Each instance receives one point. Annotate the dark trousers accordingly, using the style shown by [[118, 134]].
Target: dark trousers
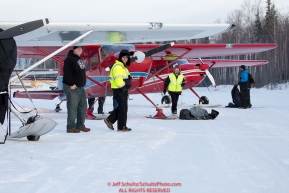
[[76, 106], [114, 102], [119, 114], [249, 98], [244, 94], [101, 101], [175, 98], [90, 102]]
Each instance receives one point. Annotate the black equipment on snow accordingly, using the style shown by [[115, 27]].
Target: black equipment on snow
[[204, 100], [235, 97], [197, 113]]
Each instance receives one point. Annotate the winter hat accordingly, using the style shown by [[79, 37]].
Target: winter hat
[[177, 66], [124, 53], [243, 67], [74, 47]]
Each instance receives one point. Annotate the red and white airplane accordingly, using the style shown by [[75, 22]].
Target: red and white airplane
[[147, 76], [103, 42]]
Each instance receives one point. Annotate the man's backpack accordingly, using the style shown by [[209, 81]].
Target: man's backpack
[[251, 79]]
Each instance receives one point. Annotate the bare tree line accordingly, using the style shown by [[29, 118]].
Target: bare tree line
[[255, 25]]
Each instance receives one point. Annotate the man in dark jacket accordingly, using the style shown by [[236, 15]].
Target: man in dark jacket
[[74, 80], [174, 82], [243, 87]]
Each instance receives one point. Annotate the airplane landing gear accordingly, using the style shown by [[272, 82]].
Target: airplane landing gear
[[33, 137], [57, 109], [166, 100], [204, 100], [159, 115]]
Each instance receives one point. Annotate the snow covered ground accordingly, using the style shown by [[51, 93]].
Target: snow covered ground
[[242, 150]]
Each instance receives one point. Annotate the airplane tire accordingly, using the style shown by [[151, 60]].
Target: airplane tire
[[33, 137], [57, 109], [204, 100], [166, 100]]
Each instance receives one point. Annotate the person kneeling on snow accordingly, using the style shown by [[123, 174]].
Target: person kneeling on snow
[[174, 82]]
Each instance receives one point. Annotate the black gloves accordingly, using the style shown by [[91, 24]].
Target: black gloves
[[127, 83]]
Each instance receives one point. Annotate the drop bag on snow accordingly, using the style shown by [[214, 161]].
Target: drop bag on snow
[[197, 113]]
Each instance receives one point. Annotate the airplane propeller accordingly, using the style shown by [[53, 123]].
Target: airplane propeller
[[140, 56], [209, 75], [158, 49], [23, 28]]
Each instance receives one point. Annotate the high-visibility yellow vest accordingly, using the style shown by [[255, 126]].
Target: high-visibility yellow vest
[[175, 84], [118, 72]]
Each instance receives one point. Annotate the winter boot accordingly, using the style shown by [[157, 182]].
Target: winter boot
[[84, 129], [89, 114], [73, 130], [108, 124], [124, 129]]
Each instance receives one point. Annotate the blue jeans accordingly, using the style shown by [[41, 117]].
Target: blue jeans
[[76, 107]]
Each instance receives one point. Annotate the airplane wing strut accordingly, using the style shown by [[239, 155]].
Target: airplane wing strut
[[51, 55]]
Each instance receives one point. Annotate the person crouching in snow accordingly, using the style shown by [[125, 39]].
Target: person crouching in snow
[[174, 83]]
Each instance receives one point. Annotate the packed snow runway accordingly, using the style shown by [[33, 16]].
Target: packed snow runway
[[242, 150]]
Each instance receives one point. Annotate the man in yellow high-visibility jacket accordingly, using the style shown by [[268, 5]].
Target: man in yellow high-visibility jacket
[[174, 83], [120, 83]]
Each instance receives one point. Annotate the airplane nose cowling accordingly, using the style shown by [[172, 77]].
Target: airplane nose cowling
[[139, 56]]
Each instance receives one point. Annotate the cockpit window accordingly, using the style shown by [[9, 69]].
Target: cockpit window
[[182, 61], [179, 61], [107, 49]]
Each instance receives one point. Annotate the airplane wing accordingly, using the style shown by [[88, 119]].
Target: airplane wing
[[229, 63], [205, 50], [38, 72], [196, 50], [60, 33], [45, 94], [33, 52]]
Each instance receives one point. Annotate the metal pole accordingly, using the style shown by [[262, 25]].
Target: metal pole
[[18, 116]]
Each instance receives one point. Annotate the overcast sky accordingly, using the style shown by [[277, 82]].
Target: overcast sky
[[177, 11]]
